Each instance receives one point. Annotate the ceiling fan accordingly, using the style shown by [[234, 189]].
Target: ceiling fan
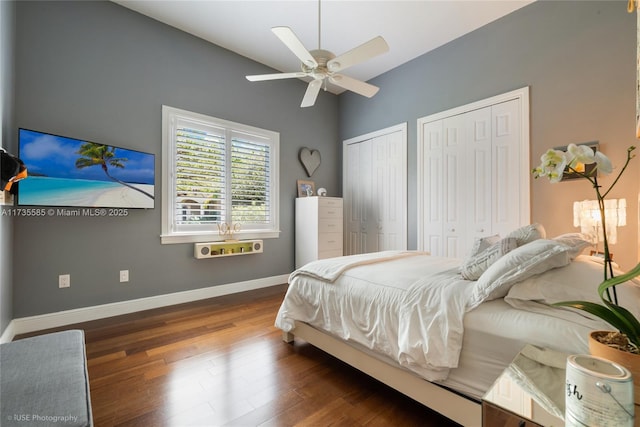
[[322, 65]]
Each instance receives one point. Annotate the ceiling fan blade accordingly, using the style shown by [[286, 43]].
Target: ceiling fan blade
[[354, 85], [289, 38], [312, 93], [365, 51], [276, 76]]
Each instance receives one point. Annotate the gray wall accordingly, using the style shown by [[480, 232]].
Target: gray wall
[[97, 71], [6, 116], [579, 59], [100, 72]]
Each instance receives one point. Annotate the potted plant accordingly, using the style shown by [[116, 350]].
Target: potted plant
[[623, 345]]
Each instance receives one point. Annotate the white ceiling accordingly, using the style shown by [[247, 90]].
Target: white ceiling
[[411, 28]]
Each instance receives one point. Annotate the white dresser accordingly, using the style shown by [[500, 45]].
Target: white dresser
[[318, 228]]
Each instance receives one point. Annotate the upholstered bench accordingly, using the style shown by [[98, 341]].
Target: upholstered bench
[[44, 381]]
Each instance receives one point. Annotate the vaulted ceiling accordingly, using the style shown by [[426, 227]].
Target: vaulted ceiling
[[411, 28]]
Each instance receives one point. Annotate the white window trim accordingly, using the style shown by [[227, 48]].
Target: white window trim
[[168, 236]]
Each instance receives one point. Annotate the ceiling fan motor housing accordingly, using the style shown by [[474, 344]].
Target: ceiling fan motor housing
[[322, 57]]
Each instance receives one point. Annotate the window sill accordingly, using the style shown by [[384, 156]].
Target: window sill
[[215, 237]]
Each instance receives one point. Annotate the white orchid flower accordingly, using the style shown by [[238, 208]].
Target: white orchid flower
[[604, 164], [580, 154], [553, 164]]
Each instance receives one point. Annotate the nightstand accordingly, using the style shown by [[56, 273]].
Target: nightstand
[[529, 393]]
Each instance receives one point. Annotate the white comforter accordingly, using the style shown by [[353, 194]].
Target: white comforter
[[420, 326]]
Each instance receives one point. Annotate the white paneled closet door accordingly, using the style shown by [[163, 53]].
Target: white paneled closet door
[[455, 180], [506, 153], [480, 171], [473, 174], [357, 199], [375, 192]]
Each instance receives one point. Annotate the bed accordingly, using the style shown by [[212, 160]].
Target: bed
[[441, 330]]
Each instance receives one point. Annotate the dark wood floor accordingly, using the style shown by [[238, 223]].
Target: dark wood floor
[[221, 362]]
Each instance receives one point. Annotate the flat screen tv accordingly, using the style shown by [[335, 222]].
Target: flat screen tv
[[70, 172]]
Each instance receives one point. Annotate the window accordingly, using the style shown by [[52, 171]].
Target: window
[[217, 172]]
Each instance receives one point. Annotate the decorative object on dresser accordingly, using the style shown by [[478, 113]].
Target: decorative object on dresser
[[310, 160], [305, 188], [318, 228]]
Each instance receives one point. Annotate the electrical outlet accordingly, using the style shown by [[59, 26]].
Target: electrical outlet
[[64, 280], [124, 276]]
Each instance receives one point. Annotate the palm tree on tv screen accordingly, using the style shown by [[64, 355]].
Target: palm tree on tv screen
[[97, 154]]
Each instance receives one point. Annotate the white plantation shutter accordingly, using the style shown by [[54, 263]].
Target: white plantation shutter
[[250, 177], [200, 176], [216, 172]]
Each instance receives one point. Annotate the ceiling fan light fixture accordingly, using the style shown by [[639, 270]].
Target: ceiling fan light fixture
[[321, 65]]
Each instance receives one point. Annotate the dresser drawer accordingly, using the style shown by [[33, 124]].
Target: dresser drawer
[[330, 212], [330, 225], [329, 202], [329, 241]]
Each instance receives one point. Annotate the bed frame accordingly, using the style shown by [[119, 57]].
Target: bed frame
[[456, 407]]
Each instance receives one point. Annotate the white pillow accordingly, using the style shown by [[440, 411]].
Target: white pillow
[[528, 233], [474, 266], [576, 241], [533, 258], [578, 281], [482, 243]]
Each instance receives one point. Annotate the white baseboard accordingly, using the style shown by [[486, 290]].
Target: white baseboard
[[8, 334], [68, 317]]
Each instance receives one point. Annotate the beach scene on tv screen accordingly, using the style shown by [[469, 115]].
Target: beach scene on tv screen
[[69, 172]]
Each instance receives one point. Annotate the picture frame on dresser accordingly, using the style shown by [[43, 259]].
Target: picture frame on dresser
[[306, 188]]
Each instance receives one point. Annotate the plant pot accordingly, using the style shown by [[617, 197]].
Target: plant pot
[[628, 360]]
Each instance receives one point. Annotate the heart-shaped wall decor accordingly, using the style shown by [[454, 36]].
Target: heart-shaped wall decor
[[310, 159]]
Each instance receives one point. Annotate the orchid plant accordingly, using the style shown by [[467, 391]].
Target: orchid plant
[[554, 163]]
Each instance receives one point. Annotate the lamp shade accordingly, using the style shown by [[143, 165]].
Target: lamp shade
[[586, 215]]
